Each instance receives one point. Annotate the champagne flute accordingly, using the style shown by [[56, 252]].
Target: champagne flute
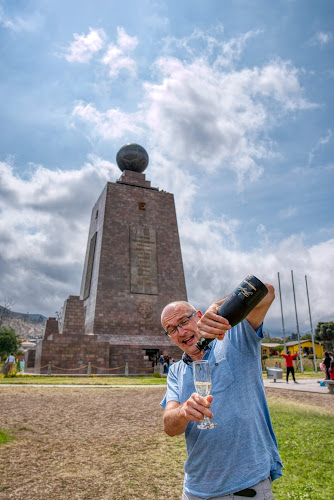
[[202, 381]]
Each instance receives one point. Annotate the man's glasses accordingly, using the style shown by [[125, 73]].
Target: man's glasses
[[173, 329]]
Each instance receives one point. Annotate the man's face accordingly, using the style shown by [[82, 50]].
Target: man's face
[[187, 336]]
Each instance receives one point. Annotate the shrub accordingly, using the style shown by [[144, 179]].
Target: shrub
[[12, 373]]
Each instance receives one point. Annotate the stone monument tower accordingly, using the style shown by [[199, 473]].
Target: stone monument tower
[[133, 265], [133, 268]]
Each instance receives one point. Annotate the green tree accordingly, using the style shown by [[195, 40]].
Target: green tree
[[9, 341], [307, 336], [325, 333], [292, 337]]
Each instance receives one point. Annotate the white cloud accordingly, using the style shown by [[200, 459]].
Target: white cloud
[[117, 56], [85, 46], [211, 117], [321, 142], [220, 119], [221, 53], [321, 38], [109, 125], [279, 81], [43, 226], [232, 50], [126, 42], [212, 270], [20, 24]]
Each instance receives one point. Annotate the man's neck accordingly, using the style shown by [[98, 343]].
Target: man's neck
[[189, 359], [197, 356]]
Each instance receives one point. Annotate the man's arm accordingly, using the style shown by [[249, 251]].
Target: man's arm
[[177, 416], [256, 317], [212, 325]]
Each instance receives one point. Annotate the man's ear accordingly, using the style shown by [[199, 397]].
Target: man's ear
[[199, 314]]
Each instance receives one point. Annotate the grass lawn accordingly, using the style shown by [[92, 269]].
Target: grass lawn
[[85, 380], [101, 380], [305, 435]]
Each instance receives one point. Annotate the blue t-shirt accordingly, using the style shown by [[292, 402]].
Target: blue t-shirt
[[242, 450]]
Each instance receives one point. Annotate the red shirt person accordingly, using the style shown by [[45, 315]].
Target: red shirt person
[[289, 365]]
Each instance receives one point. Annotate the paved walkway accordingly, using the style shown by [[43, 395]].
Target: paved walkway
[[306, 385]]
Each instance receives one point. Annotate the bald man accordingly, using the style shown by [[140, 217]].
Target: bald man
[[239, 458]]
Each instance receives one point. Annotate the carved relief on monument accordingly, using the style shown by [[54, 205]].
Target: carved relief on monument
[[145, 309], [143, 260]]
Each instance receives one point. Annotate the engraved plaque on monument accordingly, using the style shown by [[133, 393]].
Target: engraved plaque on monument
[[143, 260]]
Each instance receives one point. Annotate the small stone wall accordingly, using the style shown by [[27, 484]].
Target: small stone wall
[[70, 354]]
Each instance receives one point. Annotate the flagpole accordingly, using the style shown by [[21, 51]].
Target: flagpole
[[280, 298], [312, 331], [300, 349]]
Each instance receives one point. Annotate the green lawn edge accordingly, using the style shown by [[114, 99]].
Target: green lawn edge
[[86, 380], [101, 380]]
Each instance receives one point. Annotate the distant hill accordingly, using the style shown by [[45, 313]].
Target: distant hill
[[25, 325], [32, 318]]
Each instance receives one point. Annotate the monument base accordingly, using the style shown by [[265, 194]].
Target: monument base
[[80, 354]]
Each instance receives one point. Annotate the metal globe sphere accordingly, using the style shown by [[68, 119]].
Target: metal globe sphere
[[132, 157]]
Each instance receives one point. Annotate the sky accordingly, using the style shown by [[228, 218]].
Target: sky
[[232, 100]]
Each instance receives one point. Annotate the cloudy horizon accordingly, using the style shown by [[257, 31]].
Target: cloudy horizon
[[234, 107]]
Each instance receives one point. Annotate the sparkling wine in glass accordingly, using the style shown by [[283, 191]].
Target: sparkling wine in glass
[[202, 381]]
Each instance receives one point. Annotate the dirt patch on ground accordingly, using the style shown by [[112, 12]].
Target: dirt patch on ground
[[323, 401], [91, 443]]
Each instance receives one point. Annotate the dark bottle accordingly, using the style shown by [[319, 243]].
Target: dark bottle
[[239, 303]]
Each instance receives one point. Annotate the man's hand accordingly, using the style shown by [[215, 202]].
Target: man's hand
[[211, 325], [177, 416], [196, 407]]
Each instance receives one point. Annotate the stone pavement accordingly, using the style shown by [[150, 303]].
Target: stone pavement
[[304, 385]]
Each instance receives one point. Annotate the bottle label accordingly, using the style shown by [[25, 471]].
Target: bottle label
[[246, 291]]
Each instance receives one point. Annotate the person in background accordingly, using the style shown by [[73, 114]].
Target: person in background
[[327, 361], [331, 369], [10, 362], [289, 365], [22, 364], [165, 365]]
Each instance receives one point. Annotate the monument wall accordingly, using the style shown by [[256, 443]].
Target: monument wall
[[137, 264]]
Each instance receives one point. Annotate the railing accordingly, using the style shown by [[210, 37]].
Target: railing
[[102, 370]]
